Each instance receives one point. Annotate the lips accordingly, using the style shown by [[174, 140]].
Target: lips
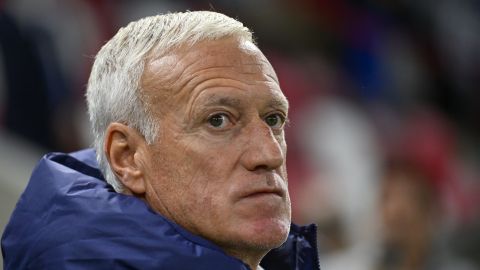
[[264, 191], [270, 185]]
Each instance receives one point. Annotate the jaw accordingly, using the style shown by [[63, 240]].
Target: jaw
[[255, 237], [263, 237]]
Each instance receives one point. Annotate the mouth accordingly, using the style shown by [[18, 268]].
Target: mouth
[[268, 186], [264, 192]]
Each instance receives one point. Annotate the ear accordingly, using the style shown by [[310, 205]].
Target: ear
[[125, 149]]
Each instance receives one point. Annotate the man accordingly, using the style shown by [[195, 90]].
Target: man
[[188, 120]]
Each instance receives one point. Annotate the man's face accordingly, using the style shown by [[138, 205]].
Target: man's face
[[218, 165]]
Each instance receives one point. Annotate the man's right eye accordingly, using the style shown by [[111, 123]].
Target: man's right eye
[[219, 120]]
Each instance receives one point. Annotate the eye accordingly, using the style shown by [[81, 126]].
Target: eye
[[219, 120], [275, 120]]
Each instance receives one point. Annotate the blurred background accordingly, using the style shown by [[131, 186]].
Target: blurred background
[[384, 140]]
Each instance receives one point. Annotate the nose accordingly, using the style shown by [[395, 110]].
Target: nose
[[264, 150]]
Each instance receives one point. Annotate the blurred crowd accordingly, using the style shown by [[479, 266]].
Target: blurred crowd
[[384, 133]]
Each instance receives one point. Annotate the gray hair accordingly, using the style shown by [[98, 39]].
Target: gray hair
[[114, 91]]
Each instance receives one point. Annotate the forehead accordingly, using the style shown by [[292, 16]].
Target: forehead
[[226, 63], [243, 56]]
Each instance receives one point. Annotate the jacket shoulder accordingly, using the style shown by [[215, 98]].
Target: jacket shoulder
[[68, 217]]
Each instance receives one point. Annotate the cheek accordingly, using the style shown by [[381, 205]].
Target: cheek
[[198, 172], [191, 187], [212, 161]]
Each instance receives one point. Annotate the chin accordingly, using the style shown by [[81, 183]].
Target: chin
[[269, 234], [257, 237]]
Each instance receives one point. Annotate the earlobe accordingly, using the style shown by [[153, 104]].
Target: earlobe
[[124, 150]]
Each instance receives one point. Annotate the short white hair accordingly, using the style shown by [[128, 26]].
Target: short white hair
[[114, 91]]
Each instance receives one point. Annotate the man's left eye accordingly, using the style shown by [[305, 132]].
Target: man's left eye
[[275, 120]]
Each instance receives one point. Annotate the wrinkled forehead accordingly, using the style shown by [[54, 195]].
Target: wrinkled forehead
[[182, 64]]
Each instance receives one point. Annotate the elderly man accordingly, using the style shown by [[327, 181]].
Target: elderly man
[[188, 118]]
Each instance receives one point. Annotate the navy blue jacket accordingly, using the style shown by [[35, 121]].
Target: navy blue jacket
[[70, 218]]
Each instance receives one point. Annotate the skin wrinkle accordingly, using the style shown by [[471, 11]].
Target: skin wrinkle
[[216, 104], [192, 77], [177, 216], [215, 100], [160, 207], [151, 84], [234, 106], [178, 57], [207, 200], [199, 89], [277, 103], [224, 80], [193, 101]]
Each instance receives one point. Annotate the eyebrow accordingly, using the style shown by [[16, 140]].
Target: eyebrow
[[275, 102], [223, 101], [278, 102]]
